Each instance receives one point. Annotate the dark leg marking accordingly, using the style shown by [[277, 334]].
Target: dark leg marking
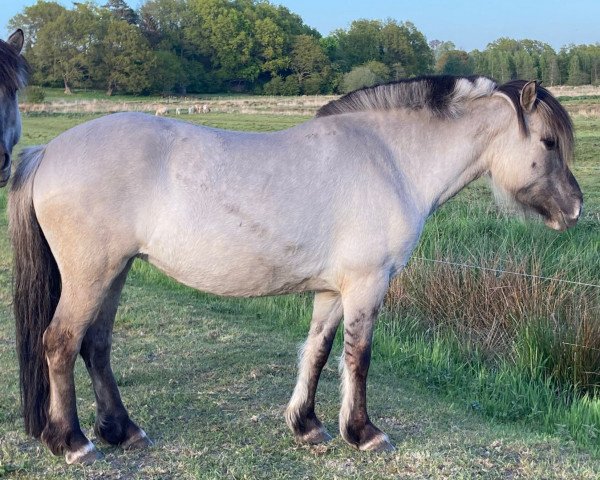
[[300, 414], [355, 426]]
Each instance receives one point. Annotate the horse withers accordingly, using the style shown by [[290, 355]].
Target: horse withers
[[334, 205], [13, 76]]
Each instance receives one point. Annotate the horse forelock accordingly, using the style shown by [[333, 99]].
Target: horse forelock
[[443, 95], [14, 69], [554, 117]]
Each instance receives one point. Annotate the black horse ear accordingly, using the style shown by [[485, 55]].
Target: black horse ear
[[16, 40], [528, 96]]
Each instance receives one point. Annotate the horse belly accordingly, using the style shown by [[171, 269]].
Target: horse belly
[[236, 264]]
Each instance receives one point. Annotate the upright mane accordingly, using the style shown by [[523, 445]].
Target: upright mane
[[14, 69], [443, 95]]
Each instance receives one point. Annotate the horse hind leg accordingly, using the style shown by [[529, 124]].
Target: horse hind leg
[[300, 413], [81, 298], [113, 424]]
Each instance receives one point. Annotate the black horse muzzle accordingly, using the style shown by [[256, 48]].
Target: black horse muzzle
[[5, 169]]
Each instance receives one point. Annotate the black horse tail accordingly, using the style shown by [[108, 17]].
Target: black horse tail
[[36, 290]]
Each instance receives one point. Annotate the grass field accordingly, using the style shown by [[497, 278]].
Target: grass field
[[459, 379]]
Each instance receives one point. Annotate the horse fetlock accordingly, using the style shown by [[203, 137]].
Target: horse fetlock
[[317, 434], [366, 437], [60, 438], [120, 430], [114, 429], [306, 426]]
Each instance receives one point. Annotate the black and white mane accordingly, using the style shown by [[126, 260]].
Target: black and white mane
[[445, 97]]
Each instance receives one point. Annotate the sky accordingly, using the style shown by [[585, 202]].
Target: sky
[[470, 24]]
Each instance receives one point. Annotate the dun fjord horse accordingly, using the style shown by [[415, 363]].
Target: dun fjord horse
[[334, 206], [13, 76]]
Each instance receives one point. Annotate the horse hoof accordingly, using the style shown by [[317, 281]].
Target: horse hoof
[[315, 436], [379, 443], [137, 441], [85, 455]]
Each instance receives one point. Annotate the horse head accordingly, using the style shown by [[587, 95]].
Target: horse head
[[531, 166], [13, 76]]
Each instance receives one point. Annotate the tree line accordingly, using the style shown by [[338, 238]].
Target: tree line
[[206, 46]]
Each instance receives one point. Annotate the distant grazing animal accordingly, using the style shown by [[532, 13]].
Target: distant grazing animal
[[178, 111], [13, 77], [161, 111], [205, 108], [193, 109], [334, 205]]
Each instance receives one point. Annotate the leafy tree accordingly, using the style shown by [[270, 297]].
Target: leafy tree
[[34, 18], [127, 59], [549, 69], [525, 67], [310, 64], [439, 47], [360, 44], [588, 63], [65, 45], [122, 11], [216, 45], [168, 72], [270, 43], [404, 44], [576, 75], [454, 62], [230, 40]]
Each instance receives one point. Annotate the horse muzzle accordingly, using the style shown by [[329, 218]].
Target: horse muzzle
[[564, 218], [5, 170]]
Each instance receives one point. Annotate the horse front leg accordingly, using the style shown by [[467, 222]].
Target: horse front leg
[[300, 414], [361, 302]]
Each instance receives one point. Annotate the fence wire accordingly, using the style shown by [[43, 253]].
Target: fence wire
[[507, 272]]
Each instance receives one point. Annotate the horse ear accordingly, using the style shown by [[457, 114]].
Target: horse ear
[[16, 40], [528, 96]]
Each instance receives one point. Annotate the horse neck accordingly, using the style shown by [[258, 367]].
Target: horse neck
[[440, 157]]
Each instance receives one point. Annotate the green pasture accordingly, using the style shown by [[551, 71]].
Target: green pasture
[[467, 386]]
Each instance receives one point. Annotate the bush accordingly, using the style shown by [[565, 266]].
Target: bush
[[274, 86], [282, 86], [291, 86], [367, 75], [34, 94], [359, 77], [313, 84]]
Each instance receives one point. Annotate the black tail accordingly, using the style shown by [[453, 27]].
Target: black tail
[[36, 292]]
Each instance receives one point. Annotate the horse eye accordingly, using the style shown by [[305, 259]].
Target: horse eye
[[549, 143]]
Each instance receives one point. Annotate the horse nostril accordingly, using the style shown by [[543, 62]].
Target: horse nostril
[[6, 162], [576, 212]]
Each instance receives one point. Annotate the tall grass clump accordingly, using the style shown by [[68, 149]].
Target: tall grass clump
[[503, 313]]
